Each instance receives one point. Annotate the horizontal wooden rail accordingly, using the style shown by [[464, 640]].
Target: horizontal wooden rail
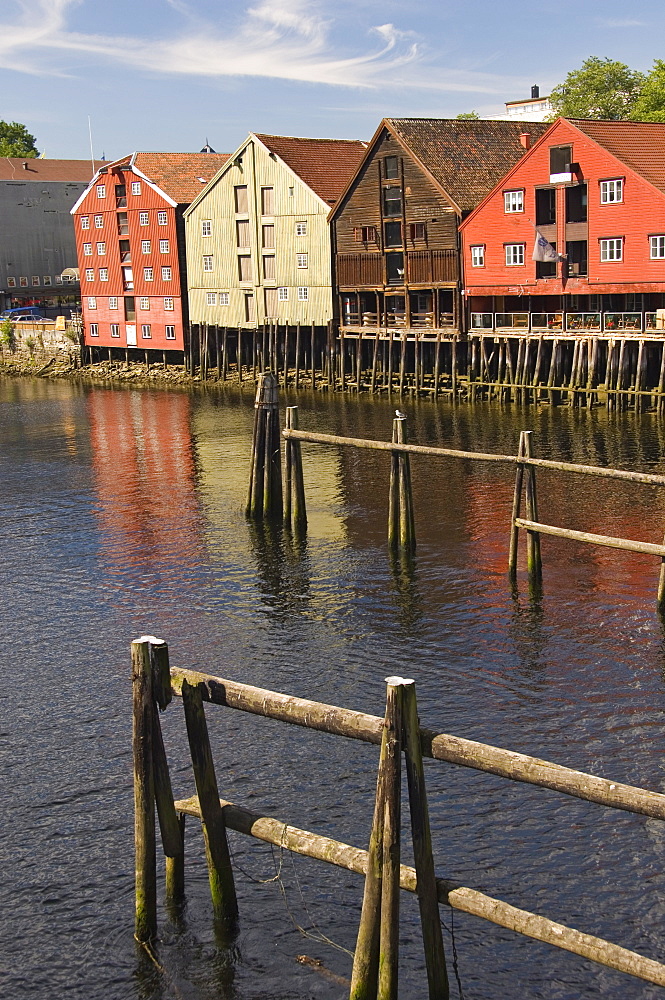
[[312, 845], [440, 746], [648, 478], [628, 544]]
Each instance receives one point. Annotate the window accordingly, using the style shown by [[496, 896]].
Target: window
[[208, 263], [392, 201], [478, 256], [47, 279], [145, 246], [123, 224], [240, 193], [577, 253], [390, 167], [267, 201], [125, 252], [148, 274], [611, 192], [301, 260], [115, 329], [11, 282], [136, 187], [101, 249], [99, 222], [392, 234], [268, 237], [170, 332], [576, 203], [164, 246], [301, 228], [166, 274], [35, 279], [93, 329], [85, 222], [303, 294], [395, 268], [101, 190], [269, 268], [560, 162], [417, 231], [365, 234], [545, 206], [611, 249], [127, 278], [245, 268], [242, 233], [162, 219], [206, 227], [87, 249], [514, 254], [144, 304], [130, 312], [211, 298], [224, 298], [291, 192], [89, 274], [120, 196], [113, 302], [168, 303], [58, 280], [103, 274], [145, 331], [657, 247], [283, 294], [513, 201], [144, 219], [23, 282], [92, 302]]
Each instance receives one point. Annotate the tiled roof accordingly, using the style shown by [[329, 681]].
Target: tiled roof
[[325, 165], [182, 176], [466, 156], [640, 145], [76, 171]]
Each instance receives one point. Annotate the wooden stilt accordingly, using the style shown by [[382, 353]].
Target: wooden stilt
[[265, 487], [517, 502], [401, 521], [453, 366], [533, 556], [295, 512], [297, 373], [375, 358], [661, 379], [437, 362], [175, 870], [225, 353], [145, 925], [313, 342], [402, 362], [390, 362], [286, 352]]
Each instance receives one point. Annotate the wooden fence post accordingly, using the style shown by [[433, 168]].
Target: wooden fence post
[[295, 512], [533, 557], [145, 925], [517, 503], [401, 521], [265, 485]]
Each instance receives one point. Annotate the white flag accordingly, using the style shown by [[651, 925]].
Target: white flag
[[543, 249]]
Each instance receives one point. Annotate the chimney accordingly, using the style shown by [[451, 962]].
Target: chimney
[[525, 139], [535, 92], [25, 164]]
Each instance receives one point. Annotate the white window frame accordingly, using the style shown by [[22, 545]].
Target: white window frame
[[101, 249], [99, 222], [89, 274], [225, 298], [85, 222], [146, 331], [35, 281], [92, 302], [144, 303], [478, 255], [303, 293], [206, 227], [162, 218], [23, 281], [513, 201], [211, 298], [148, 274], [657, 247], [515, 254], [47, 279], [87, 249], [611, 191], [146, 246], [302, 261], [208, 262], [103, 274], [58, 280], [93, 330], [301, 228], [144, 219], [11, 282], [167, 274], [101, 191], [282, 294], [169, 305], [113, 302], [115, 329], [611, 250], [169, 331], [136, 187], [164, 246]]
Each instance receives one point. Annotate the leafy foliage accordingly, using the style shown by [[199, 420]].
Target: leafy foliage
[[15, 140], [473, 115], [650, 105], [602, 88]]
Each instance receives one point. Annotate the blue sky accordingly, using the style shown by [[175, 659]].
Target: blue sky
[[166, 74]]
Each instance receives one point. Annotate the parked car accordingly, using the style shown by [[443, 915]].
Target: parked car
[[19, 312]]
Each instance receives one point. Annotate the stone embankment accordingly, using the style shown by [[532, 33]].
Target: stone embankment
[[68, 367]]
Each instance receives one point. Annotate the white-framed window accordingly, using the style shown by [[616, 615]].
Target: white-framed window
[[657, 247], [58, 279], [89, 274], [514, 254], [206, 227], [611, 192], [101, 249], [85, 222], [87, 249], [513, 201], [35, 279], [167, 274], [224, 298], [11, 282], [144, 219], [144, 304], [93, 329], [170, 332], [99, 222], [136, 187], [92, 302], [301, 260], [145, 331], [113, 301], [283, 294], [101, 190], [103, 274], [168, 303], [211, 298], [164, 246], [301, 228], [208, 262], [148, 274], [47, 279], [23, 281], [611, 249], [478, 255], [303, 294], [115, 329], [162, 219], [145, 246]]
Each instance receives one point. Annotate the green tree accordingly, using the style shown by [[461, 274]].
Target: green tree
[[15, 140], [473, 115], [601, 88], [650, 105]]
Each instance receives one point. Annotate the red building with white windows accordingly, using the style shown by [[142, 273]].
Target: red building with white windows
[[131, 248], [596, 192]]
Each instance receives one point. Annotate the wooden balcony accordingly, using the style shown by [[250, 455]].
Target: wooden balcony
[[422, 267]]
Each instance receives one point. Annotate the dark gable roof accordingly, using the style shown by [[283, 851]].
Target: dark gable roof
[[466, 157], [72, 171], [325, 165], [182, 176], [640, 145]]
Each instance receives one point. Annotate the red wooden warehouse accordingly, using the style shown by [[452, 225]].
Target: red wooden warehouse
[[131, 248]]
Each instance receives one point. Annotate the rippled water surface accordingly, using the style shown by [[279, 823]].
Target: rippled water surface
[[122, 513]]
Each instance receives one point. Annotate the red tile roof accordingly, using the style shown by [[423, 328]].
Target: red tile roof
[[182, 176], [75, 171], [640, 145], [325, 165]]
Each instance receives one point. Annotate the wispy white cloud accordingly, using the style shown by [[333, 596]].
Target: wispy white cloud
[[621, 22]]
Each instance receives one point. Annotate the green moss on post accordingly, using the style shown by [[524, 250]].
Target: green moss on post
[[145, 925]]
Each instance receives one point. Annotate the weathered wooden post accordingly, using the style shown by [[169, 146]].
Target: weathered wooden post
[[295, 512], [145, 924], [533, 558], [517, 503], [265, 485], [401, 521]]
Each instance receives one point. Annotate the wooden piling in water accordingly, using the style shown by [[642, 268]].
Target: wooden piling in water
[[401, 522], [145, 922], [533, 556], [295, 511], [517, 503], [265, 485]]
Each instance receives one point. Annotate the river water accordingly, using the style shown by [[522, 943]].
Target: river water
[[122, 513]]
